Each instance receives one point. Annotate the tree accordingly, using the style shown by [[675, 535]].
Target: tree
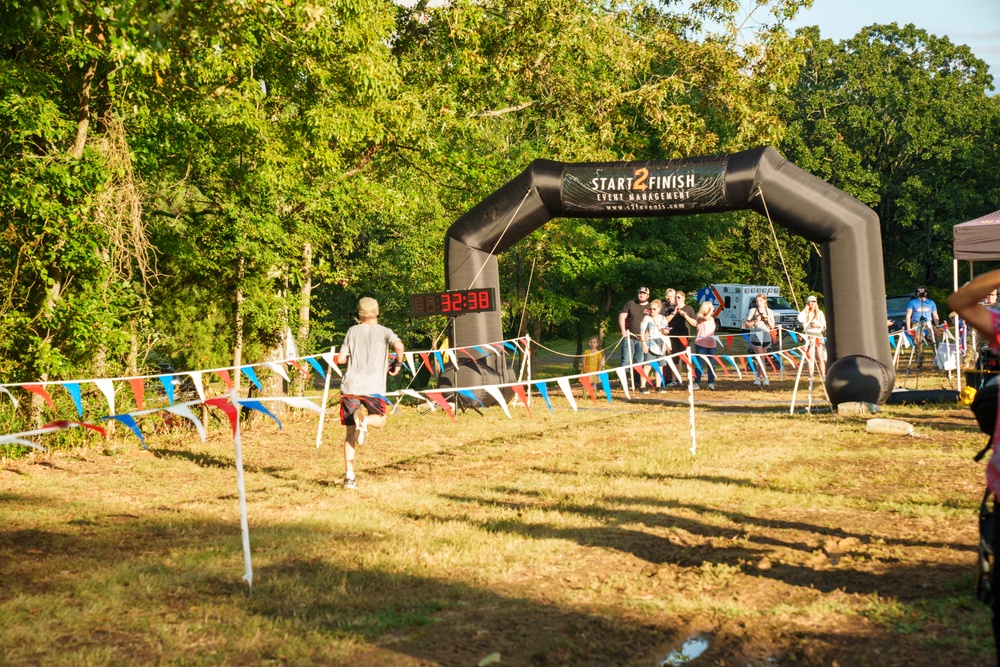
[[900, 119]]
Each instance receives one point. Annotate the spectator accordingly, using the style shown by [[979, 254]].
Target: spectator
[[922, 312], [760, 321], [813, 325], [630, 323], [704, 342], [593, 358], [678, 326], [654, 341]]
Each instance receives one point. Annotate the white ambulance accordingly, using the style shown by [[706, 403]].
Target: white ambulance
[[733, 302]]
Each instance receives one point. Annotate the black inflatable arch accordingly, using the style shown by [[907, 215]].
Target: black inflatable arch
[[848, 231]]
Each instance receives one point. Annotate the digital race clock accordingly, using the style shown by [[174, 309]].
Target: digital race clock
[[479, 300]]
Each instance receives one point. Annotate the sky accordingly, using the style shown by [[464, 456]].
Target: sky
[[975, 23]]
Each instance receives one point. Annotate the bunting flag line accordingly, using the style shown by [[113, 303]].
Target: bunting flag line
[[523, 395], [74, 390], [331, 361], [129, 421], [138, 392], [315, 364], [168, 386], [438, 398], [623, 378], [605, 385], [259, 407], [10, 440], [564, 385], [409, 362], [721, 364], [544, 392], [40, 390], [659, 371], [585, 381], [300, 402], [277, 369], [419, 397], [13, 400], [228, 408], [107, 388], [498, 397], [185, 411], [252, 376], [196, 379], [427, 361], [224, 376]]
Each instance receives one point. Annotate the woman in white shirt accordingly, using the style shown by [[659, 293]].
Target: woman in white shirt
[[813, 325]]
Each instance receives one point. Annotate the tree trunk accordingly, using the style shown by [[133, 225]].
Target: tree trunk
[[83, 119], [238, 325], [305, 299]]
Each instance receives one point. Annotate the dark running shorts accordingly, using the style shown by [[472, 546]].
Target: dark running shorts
[[350, 404]]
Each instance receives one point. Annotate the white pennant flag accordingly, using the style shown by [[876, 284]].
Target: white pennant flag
[[330, 359], [277, 369], [564, 385], [677, 373], [7, 391], [453, 355], [419, 397], [498, 397], [623, 377], [409, 360], [107, 388], [185, 411], [196, 376], [20, 441], [300, 402]]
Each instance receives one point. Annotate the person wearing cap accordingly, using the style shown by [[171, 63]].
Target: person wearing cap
[[630, 322], [923, 312], [813, 323], [366, 353]]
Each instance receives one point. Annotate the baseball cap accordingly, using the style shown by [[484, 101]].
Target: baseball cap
[[810, 299], [644, 289], [921, 291]]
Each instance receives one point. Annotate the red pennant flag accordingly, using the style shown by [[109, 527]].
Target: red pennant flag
[[63, 423], [439, 399], [585, 381], [770, 362], [684, 342], [224, 376], [729, 341], [519, 390], [298, 366], [789, 358], [774, 336], [743, 363], [468, 354], [427, 362], [687, 361], [227, 407], [40, 390], [719, 359], [138, 391]]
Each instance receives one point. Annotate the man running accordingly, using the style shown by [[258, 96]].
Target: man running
[[366, 351]]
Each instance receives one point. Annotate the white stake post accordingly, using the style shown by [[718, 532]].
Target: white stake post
[[241, 488], [326, 395], [694, 442]]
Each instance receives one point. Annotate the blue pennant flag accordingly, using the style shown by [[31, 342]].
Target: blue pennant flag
[[730, 360], [259, 407], [250, 373], [481, 350], [697, 364], [510, 346], [795, 338], [747, 338], [544, 391], [129, 421], [605, 385], [659, 371], [315, 364], [753, 368], [472, 397], [74, 390], [168, 386], [440, 359]]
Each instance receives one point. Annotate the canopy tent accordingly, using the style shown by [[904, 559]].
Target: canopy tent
[[977, 240]]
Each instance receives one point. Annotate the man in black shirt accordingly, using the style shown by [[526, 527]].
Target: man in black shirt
[[630, 323]]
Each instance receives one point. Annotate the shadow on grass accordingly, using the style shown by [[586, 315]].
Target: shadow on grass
[[313, 603]]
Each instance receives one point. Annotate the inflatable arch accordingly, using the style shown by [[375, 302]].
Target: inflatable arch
[[759, 179]]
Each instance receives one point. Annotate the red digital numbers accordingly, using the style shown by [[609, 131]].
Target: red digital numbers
[[473, 300], [452, 303], [484, 299]]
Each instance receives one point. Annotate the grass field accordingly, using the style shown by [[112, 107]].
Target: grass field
[[588, 538]]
